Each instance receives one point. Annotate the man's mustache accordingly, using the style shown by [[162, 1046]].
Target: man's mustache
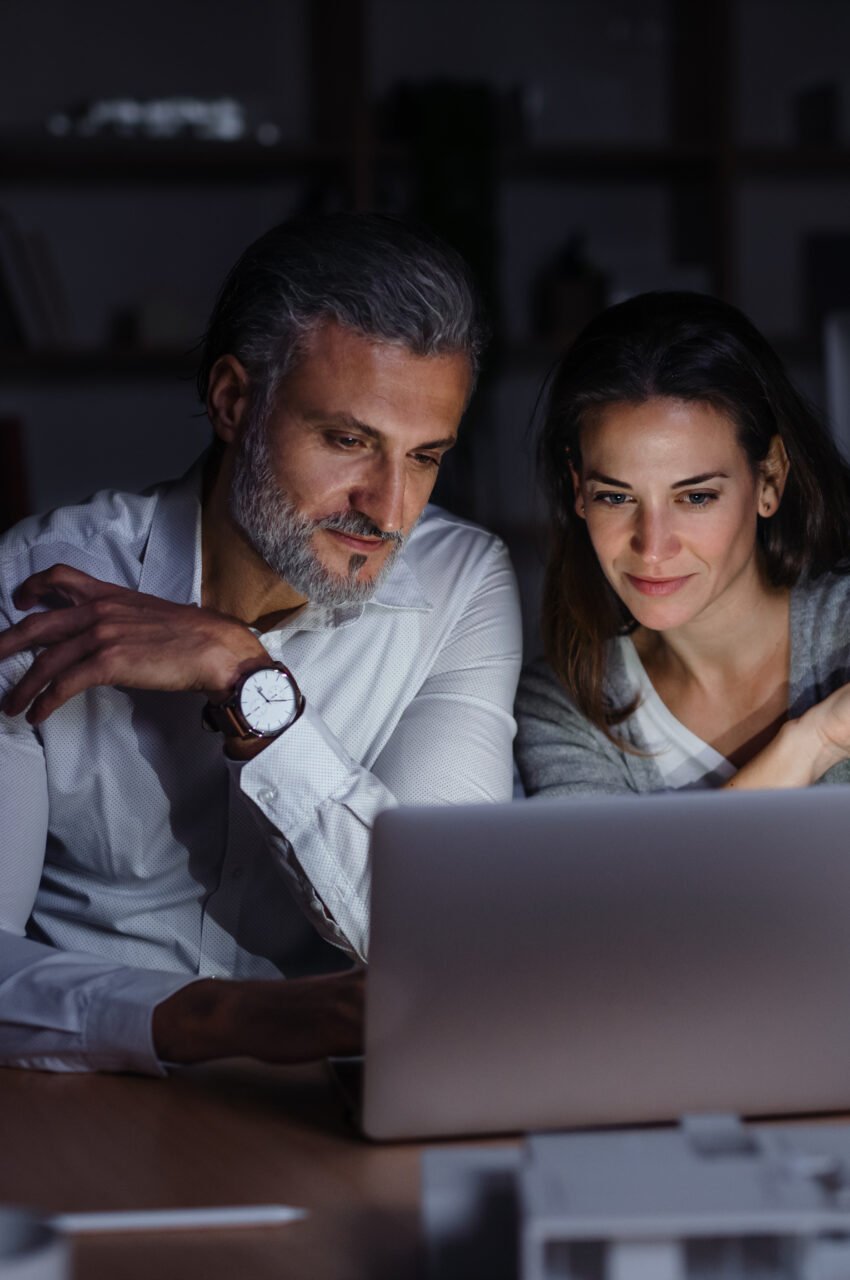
[[358, 524]]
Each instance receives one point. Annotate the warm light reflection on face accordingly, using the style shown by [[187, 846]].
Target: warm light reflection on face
[[671, 501], [347, 460]]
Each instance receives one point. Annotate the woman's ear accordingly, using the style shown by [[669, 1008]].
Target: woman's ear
[[773, 472], [579, 496], [227, 398]]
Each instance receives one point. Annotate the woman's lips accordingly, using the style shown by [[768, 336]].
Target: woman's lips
[[658, 586]]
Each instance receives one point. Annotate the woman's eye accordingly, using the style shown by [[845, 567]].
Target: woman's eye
[[612, 499], [699, 499]]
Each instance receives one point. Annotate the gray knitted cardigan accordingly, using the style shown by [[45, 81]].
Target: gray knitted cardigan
[[559, 753]]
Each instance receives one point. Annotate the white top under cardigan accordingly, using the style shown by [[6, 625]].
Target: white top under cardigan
[[560, 753], [683, 759]]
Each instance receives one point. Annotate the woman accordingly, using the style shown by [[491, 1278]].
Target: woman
[[697, 600]]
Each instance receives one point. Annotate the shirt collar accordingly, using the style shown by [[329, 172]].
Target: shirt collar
[[401, 588], [171, 567]]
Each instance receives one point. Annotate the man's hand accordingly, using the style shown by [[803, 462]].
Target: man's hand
[[95, 633], [291, 1020]]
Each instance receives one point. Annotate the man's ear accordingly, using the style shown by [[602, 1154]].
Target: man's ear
[[228, 394], [773, 472], [579, 496]]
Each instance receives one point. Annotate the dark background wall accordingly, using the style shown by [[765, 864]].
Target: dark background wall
[[577, 150]]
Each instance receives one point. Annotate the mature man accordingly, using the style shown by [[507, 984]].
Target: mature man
[[211, 689]]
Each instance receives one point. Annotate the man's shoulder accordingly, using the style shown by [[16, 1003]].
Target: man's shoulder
[[104, 535], [449, 556], [448, 539]]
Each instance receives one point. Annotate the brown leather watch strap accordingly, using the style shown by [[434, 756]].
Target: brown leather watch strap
[[225, 718]]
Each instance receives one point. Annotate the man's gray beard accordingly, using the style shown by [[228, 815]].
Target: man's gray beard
[[283, 535]]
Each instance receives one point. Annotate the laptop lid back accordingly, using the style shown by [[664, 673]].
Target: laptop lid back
[[607, 961]]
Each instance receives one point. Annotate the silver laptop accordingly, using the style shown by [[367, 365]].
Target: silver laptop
[[607, 961]]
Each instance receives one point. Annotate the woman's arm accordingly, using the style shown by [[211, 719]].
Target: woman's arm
[[803, 750]]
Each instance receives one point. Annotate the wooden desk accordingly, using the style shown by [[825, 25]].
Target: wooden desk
[[228, 1134]]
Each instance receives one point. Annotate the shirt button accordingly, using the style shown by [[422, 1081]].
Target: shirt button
[[267, 795]]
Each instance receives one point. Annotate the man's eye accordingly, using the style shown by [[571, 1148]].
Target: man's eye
[[426, 459], [344, 442]]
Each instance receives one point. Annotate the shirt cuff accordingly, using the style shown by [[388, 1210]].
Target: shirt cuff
[[118, 1032], [296, 773]]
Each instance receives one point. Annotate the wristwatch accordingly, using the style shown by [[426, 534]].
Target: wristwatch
[[263, 705]]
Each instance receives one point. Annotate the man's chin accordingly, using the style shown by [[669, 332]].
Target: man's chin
[[327, 586], [357, 568]]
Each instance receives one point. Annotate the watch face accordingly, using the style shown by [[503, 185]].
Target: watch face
[[267, 701]]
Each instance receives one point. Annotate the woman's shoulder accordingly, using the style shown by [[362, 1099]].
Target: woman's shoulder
[[820, 639], [819, 609], [541, 691], [560, 752]]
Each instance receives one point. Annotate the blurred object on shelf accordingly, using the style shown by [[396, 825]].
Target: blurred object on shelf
[[207, 119], [159, 321], [451, 128], [641, 277], [567, 292], [817, 111], [34, 310], [826, 277], [836, 350], [520, 110], [14, 487]]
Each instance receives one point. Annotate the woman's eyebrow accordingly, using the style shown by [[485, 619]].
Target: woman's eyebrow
[[679, 484], [707, 475], [597, 475]]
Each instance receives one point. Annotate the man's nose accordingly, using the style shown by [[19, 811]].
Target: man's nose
[[654, 537], [380, 494]]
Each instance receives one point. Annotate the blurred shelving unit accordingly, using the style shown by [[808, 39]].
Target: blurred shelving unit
[[701, 166], [695, 181]]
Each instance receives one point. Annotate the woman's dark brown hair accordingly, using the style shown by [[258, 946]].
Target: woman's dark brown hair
[[691, 347]]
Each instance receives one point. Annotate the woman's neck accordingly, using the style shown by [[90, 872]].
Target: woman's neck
[[739, 637], [726, 677]]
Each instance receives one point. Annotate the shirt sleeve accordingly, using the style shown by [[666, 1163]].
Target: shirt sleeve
[[559, 753], [451, 745], [59, 1011]]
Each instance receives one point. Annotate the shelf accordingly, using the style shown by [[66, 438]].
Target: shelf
[[620, 163], [44, 160], [777, 162], [96, 362], [607, 163]]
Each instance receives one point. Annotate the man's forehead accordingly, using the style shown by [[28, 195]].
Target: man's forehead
[[342, 372], [328, 340]]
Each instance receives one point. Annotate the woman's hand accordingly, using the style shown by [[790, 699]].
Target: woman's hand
[[803, 750], [829, 724]]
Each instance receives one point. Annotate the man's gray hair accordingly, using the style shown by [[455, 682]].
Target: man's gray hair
[[385, 278]]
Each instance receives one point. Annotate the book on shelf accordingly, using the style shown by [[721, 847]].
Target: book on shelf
[[33, 303], [14, 489]]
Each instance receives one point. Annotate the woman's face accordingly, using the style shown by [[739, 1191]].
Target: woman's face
[[671, 500]]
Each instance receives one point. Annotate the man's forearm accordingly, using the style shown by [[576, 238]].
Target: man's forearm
[[296, 1020], [66, 1011]]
